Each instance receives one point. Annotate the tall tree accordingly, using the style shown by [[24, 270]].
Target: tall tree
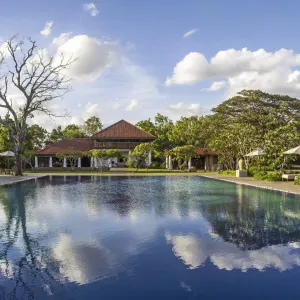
[[188, 131], [147, 125], [39, 79], [254, 119], [55, 135], [36, 137], [160, 128], [92, 125], [72, 131]]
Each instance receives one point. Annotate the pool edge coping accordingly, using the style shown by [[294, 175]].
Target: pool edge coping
[[11, 183], [252, 185]]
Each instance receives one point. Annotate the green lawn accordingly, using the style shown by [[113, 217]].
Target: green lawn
[[115, 172]]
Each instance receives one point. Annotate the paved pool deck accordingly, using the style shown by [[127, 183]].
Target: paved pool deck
[[6, 180], [280, 186]]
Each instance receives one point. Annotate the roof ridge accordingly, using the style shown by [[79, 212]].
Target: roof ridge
[[108, 127], [98, 134]]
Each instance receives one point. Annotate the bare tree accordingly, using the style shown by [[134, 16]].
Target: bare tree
[[39, 78]]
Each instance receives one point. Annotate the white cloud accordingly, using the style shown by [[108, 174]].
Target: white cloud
[[60, 40], [47, 29], [4, 50], [243, 69], [116, 105], [184, 109], [91, 110], [189, 33], [91, 8], [92, 56], [215, 86], [133, 105]]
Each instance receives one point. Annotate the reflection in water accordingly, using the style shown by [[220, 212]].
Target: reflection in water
[[194, 252], [62, 234]]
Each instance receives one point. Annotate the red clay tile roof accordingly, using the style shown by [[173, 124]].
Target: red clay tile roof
[[123, 130], [63, 145], [205, 151]]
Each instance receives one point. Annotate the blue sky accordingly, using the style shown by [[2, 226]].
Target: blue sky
[[146, 38]]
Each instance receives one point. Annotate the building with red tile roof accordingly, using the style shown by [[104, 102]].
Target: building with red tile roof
[[122, 136]]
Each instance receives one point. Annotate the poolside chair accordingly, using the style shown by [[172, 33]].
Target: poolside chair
[[288, 177]]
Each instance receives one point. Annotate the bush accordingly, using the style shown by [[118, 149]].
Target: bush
[[227, 172], [130, 164], [155, 165], [193, 169], [297, 180], [253, 170], [259, 174], [269, 176]]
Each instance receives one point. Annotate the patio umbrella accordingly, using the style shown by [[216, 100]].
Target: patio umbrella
[[7, 154], [256, 152], [295, 150]]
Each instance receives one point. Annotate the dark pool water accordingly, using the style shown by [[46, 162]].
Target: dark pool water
[[147, 238]]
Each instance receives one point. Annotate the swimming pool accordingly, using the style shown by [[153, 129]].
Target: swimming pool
[[173, 237]]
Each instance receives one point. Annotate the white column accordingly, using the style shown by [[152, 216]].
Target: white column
[[149, 158], [65, 162], [79, 162], [92, 162], [170, 163], [50, 162], [167, 162], [206, 164], [36, 161], [190, 163]]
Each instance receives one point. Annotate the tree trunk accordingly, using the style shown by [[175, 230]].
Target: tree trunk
[[18, 164]]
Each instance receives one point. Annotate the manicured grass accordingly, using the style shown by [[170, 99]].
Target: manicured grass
[[115, 172]]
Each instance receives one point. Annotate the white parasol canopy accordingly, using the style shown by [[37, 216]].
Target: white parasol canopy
[[295, 150], [256, 152], [7, 154]]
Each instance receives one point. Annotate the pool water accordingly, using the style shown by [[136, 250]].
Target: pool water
[[140, 238]]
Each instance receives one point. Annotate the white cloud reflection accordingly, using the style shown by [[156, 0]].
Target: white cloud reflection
[[195, 252]]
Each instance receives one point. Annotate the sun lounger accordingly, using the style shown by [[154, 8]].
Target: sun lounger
[[288, 176]]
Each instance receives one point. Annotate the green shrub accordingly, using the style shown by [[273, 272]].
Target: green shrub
[[297, 180], [274, 176], [155, 165], [260, 174], [227, 172], [269, 176], [163, 165], [130, 164], [253, 170], [193, 169]]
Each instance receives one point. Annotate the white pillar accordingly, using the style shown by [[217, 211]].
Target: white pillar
[[79, 162], [167, 162], [206, 163], [170, 163], [50, 162], [149, 158], [190, 163], [92, 162], [65, 162], [36, 161]]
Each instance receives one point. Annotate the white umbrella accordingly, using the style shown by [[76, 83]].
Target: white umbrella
[[256, 152], [7, 154], [295, 150]]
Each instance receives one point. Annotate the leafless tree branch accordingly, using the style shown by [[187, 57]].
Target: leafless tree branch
[[39, 78]]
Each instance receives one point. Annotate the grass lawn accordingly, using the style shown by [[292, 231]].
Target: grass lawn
[[116, 172]]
